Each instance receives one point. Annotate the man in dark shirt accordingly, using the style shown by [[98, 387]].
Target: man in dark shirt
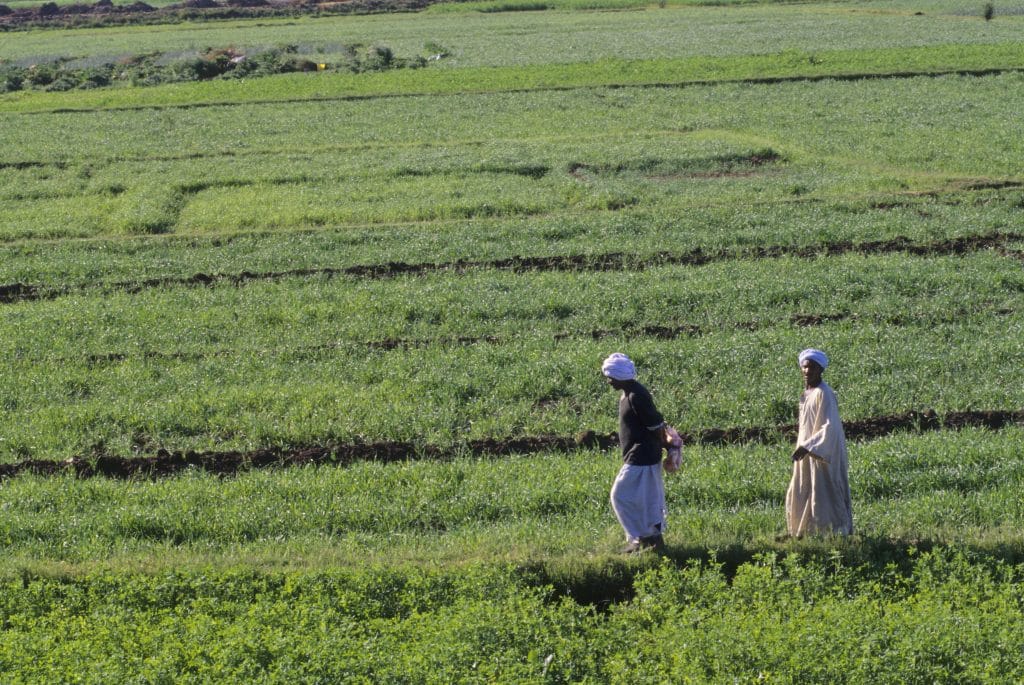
[[638, 494]]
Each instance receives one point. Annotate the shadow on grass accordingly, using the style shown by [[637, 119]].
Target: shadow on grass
[[602, 582]]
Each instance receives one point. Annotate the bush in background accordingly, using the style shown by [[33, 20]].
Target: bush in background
[[146, 69]]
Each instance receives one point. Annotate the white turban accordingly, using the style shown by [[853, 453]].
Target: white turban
[[618, 367], [815, 356]]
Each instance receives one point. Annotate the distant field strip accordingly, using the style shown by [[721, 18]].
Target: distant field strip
[[909, 488], [473, 88], [627, 333], [71, 265], [259, 169], [844, 65], [167, 463], [19, 292]]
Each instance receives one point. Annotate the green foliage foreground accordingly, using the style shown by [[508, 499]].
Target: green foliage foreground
[[938, 616]]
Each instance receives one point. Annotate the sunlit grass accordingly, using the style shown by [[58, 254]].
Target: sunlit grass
[[949, 488]]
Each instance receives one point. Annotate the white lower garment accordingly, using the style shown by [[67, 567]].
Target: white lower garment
[[638, 498]]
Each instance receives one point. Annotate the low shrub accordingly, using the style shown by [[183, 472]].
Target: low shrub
[[227, 63], [11, 80]]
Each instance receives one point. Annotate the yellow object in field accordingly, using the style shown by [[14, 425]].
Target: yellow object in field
[[321, 67]]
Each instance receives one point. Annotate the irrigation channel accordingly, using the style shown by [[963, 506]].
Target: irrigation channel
[[612, 261], [167, 463]]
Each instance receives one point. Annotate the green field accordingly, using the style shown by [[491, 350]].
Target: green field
[[295, 366]]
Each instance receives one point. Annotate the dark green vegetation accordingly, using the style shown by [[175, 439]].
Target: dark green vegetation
[[295, 365], [817, 621], [224, 63]]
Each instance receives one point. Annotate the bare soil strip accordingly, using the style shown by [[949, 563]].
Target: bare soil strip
[[613, 261], [167, 463]]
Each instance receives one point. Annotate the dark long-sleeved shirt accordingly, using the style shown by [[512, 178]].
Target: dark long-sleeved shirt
[[640, 425]]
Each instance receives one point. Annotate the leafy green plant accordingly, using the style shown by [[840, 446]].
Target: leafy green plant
[[224, 63]]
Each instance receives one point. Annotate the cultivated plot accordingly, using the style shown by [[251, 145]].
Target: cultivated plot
[[313, 359]]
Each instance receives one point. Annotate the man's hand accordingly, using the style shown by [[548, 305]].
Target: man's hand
[[799, 453]]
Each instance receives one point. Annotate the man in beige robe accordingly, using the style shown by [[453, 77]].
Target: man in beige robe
[[818, 499]]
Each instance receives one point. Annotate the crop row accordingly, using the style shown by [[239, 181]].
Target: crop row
[[449, 397], [717, 232], [656, 152], [723, 296], [1003, 243], [288, 363], [943, 487]]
